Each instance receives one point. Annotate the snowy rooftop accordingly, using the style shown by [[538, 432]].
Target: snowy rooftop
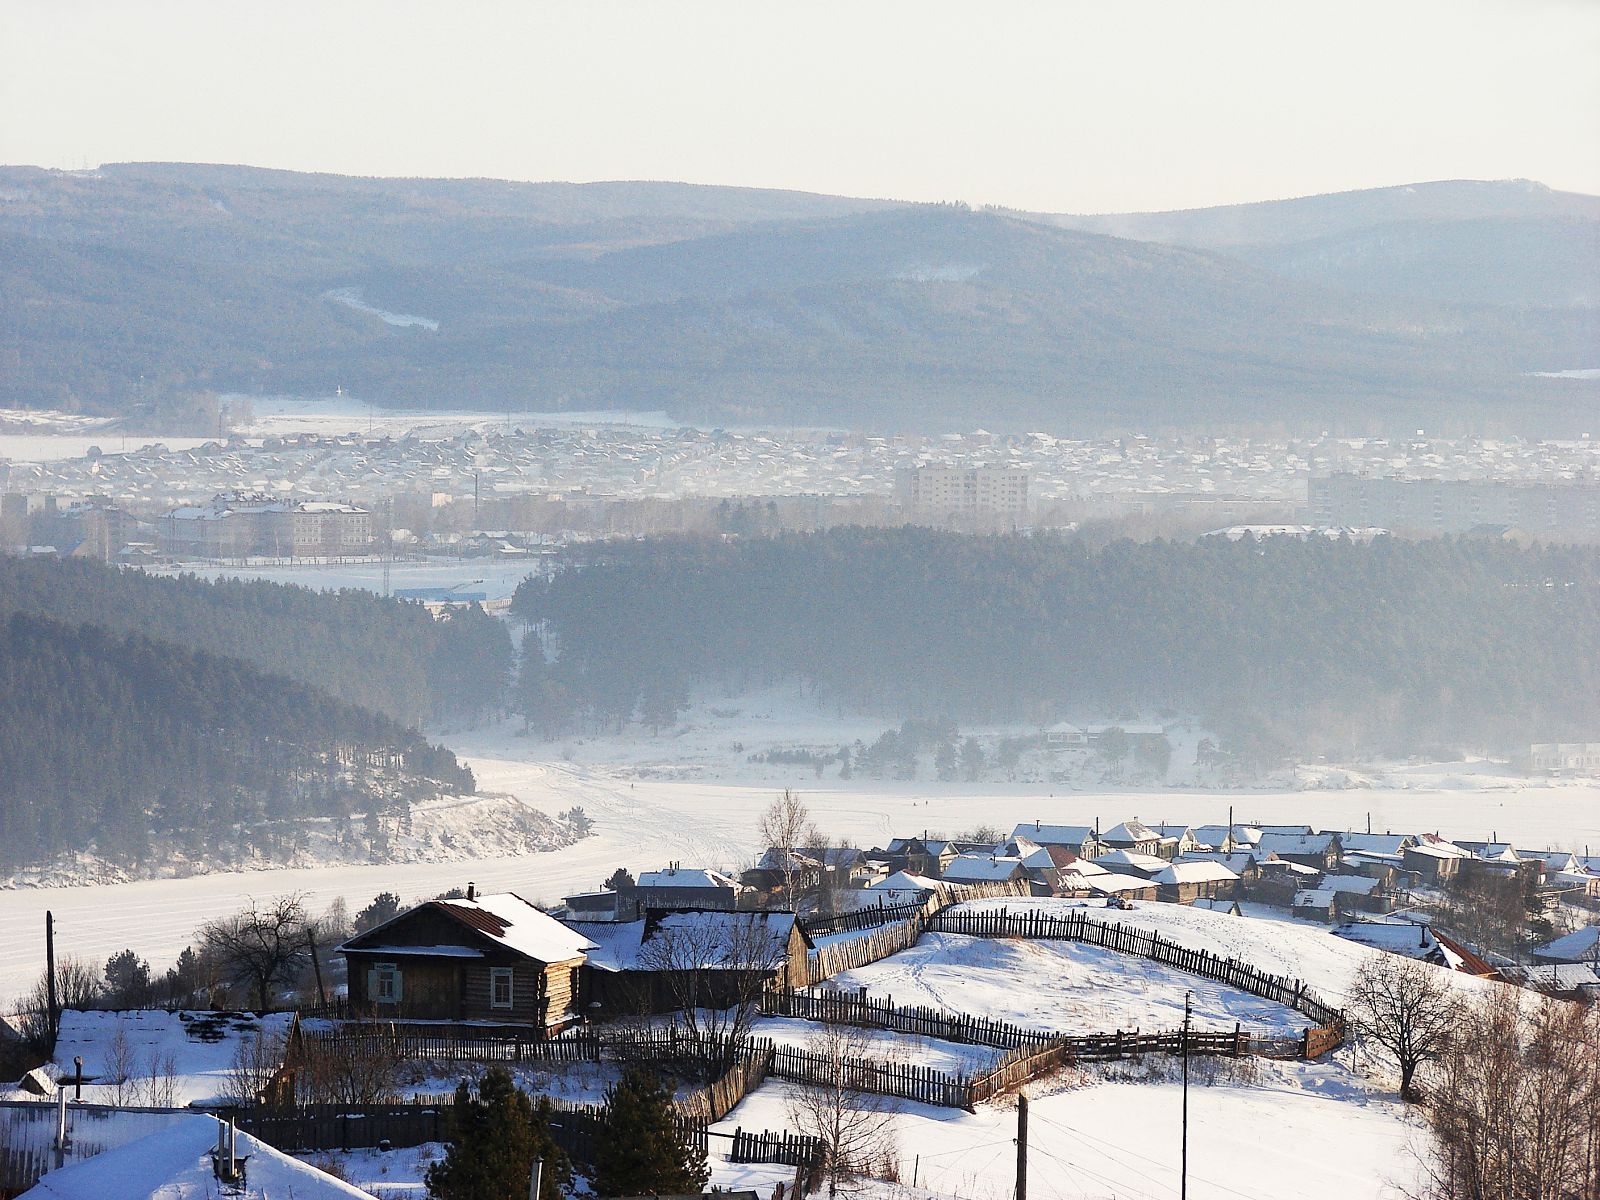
[[176, 1164], [684, 877], [1194, 872], [503, 917]]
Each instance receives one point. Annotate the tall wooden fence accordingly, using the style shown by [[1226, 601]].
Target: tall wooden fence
[[1078, 927]]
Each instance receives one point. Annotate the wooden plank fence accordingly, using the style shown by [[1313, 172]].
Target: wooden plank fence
[[1078, 927], [862, 918], [465, 1043], [853, 1008], [785, 1148]]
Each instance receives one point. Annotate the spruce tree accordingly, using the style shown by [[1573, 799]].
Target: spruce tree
[[641, 1150], [495, 1138]]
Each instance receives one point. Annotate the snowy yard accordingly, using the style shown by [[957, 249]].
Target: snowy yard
[[885, 1046], [1060, 987], [1304, 1130], [164, 1059]]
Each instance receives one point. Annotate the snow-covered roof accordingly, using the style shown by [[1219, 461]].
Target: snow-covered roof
[[1215, 835], [1114, 859], [1238, 862], [980, 868], [1055, 835], [690, 940], [1357, 885], [684, 877], [1194, 872], [1314, 898], [1296, 843], [905, 881], [1396, 937], [1130, 831], [503, 917], [1562, 977], [1111, 883], [1577, 946], [175, 1164], [1377, 843]]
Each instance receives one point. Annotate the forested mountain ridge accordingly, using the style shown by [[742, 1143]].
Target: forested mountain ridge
[[1320, 644], [111, 740], [129, 285], [391, 657]]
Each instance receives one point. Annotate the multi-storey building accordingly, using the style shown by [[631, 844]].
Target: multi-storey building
[[240, 524], [1563, 511], [945, 492]]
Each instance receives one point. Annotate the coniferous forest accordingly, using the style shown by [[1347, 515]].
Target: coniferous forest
[[1393, 645], [235, 709]]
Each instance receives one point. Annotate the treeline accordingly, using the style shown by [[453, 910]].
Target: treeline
[[356, 646], [1379, 646], [114, 739]]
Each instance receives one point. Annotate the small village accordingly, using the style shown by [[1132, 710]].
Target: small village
[[798, 1018]]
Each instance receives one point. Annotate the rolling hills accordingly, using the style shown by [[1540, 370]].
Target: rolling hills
[[1360, 312]]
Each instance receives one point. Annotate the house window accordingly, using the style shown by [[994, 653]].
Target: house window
[[385, 984], [500, 992]]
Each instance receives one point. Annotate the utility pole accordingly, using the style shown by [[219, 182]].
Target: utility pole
[[1022, 1146], [50, 974], [536, 1179], [1183, 1179]]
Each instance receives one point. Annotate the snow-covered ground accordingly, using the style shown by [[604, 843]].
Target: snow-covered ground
[[885, 1046], [1302, 1130], [1060, 987], [1300, 950], [644, 819], [157, 1059]]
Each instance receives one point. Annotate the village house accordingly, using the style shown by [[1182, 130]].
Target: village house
[[1579, 946], [482, 958], [1178, 839], [1433, 860], [1358, 893], [1079, 839], [601, 905], [1186, 882], [916, 856], [686, 887], [983, 868], [1225, 839], [1131, 862], [1318, 850], [902, 887], [713, 958], [1245, 864], [1133, 835]]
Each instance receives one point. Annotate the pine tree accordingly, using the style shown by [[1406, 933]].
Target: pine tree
[[495, 1139], [641, 1150]]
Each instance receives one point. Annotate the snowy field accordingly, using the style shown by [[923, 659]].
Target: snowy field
[[643, 821], [1304, 1130], [186, 1058], [1060, 987]]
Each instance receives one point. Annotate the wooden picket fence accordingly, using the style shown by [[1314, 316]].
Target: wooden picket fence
[[852, 1008], [784, 1148], [862, 918], [1078, 927], [466, 1043]]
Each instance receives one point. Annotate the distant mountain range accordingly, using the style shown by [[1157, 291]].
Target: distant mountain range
[[1429, 305]]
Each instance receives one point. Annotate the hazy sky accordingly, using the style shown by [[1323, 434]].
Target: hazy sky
[[1064, 105]]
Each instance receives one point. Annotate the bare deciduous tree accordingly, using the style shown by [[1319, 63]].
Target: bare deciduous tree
[[121, 1066], [160, 1085], [715, 966], [260, 946], [349, 1068], [256, 1060], [1515, 1102], [77, 987], [786, 825], [854, 1125], [1409, 1008]]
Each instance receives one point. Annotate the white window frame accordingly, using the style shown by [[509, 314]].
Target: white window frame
[[496, 974], [385, 973]]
